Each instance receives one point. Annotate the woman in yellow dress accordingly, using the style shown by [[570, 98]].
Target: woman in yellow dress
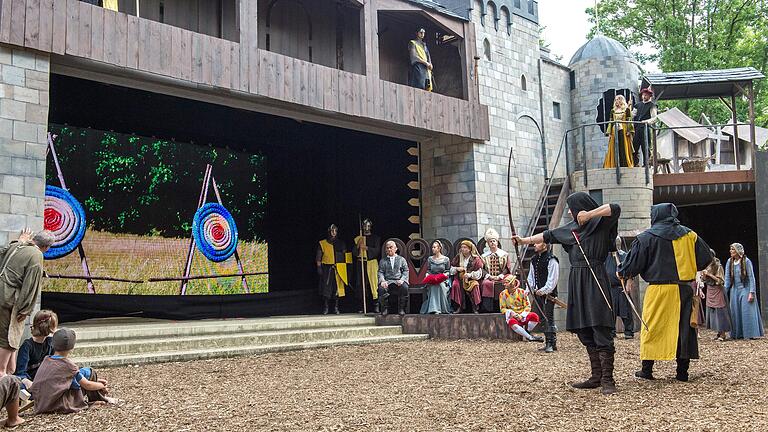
[[620, 112]]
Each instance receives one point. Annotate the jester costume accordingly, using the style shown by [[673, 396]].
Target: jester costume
[[667, 256]]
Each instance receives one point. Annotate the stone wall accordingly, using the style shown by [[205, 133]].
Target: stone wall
[[24, 92], [633, 195], [593, 77], [555, 78]]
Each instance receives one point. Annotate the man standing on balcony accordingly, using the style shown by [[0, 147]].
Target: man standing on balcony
[[644, 111], [420, 74]]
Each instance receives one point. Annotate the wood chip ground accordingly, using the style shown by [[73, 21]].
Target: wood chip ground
[[432, 385]]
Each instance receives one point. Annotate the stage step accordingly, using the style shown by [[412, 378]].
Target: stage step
[[103, 343], [208, 353]]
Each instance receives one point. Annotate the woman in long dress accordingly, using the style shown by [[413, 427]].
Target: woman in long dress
[[436, 295], [621, 112], [718, 318], [740, 287]]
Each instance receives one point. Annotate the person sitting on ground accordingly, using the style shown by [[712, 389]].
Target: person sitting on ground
[[35, 349], [514, 305], [393, 279], [497, 266], [60, 386], [10, 386], [467, 269]]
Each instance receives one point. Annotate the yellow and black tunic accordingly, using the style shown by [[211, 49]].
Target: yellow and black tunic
[[334, 258], [667, 256]]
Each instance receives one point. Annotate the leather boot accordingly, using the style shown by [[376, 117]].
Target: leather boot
[[549, 347], [647, 371], [597, 371], [682, 370], [554, 341], [336, 305], [325, 306], [383, 306], [403, 303], [606, 379], [376, 307], [475, 309]]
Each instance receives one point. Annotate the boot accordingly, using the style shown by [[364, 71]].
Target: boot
[[606, 379], [403, 303], [597, 371], [554, 341], [549, 347], [325, 306], [682, 370], [647, 371], [475, 309], [383, 306], [376, 307], [336, 305]]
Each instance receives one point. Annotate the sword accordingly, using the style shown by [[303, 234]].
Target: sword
[[576, 236], [626, 294]]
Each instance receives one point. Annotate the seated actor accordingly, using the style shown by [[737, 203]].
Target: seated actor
[[393, 278], [514, 304], [467, 269], [497, 266]]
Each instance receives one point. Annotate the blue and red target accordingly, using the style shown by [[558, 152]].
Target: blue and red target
[[65, 217], [215, 232]]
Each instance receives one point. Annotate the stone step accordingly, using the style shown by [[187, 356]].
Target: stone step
[[208, 353], [108, 330], [100, 348]]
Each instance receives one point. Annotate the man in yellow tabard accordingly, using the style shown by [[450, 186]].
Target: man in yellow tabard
[[367, 250], [331, 259], [420, 73]]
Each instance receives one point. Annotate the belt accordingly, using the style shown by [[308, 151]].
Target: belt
[[669, 282]]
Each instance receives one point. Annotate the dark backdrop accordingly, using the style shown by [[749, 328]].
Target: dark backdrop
[[316, 174]]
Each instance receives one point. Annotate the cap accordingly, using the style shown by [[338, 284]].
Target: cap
[[64, 339]]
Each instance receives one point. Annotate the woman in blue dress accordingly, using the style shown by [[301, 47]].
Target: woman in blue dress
[[436, 296], [740, 286]]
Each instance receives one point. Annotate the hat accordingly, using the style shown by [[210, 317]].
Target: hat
[[64, 339], [510, 282], [739, 248], [646, 90], [491, 234]]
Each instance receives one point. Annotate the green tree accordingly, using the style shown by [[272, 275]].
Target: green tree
[[694, 35]]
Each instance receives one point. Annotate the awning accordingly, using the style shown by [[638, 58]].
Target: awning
[[674, 118], [701, 84]]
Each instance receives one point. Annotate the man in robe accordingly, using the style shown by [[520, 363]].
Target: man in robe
[[644, 111], [21, 276], [331, 259], [497, 266], [467, 269], [367, 250], [420, 73], [667, 256], [542, 281], [621, 305], [393, 279], [587, 240]]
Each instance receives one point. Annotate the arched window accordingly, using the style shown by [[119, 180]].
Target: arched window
[[487, 49], [523, 82], [506, 19], [494, 14], [289, 29], [480, 7]]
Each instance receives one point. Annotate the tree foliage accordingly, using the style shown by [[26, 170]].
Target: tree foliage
[[684, 35]]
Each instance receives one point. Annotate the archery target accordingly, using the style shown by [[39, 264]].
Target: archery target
[[65, 217], [215, 232]]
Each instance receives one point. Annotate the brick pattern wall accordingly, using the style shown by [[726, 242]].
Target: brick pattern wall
[[24, 93], [555, 78]]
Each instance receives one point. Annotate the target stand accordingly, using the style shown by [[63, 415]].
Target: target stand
[[65, 217], [213, 232]]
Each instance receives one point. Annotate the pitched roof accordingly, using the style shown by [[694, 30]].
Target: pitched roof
[[761, 134], [437, 7], [701, 84], [675, 118]]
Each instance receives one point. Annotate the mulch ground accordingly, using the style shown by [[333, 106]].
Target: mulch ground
[[432, 385]]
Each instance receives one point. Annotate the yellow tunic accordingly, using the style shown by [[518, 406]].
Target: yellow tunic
[[341, 268], [372, 267]]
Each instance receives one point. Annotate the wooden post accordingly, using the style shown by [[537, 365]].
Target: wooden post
[[645, 152], [736, 154], [752, 137], [584, 153], [237, 256]]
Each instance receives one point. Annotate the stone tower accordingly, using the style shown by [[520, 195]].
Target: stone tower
[[600, 69]]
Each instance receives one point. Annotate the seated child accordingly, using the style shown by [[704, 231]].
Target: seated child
[[38, 347], [60, 386], [514, 304], [9, 396]]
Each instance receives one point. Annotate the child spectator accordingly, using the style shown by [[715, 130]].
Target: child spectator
[[38, 347], [9, 396], [60, 386]]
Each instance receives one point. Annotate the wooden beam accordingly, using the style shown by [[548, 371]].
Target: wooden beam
[[710, 177]]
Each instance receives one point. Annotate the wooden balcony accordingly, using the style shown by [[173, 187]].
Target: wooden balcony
[[117, 44]]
